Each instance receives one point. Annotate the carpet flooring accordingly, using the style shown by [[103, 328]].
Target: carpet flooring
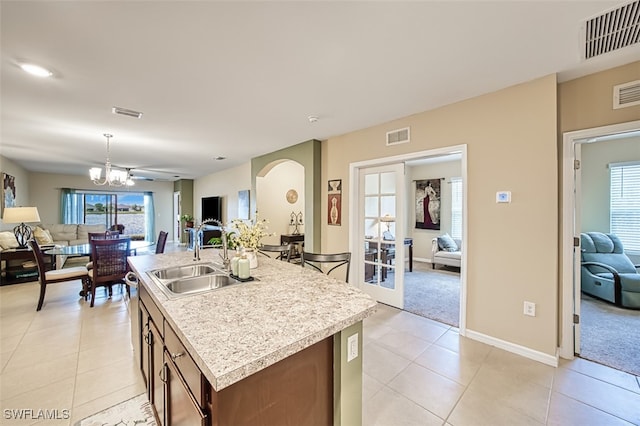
[[608, 335], [135, 411], [434, 294]]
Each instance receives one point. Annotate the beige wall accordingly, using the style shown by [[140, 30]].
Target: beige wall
[[44, 189], [271, 198], [587, 102], [595, 178], [511, 139], [224, 184]]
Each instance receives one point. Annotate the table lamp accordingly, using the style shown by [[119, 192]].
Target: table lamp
[[21, 215], [387, 219]]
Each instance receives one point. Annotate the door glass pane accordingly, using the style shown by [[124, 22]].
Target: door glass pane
[[371, 184], [388, 205], [371, 206], [370, 228], [388, 278], [388, 183]]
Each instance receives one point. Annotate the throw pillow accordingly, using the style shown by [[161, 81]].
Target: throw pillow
[[8, 240], [42, 236], [445, 242]]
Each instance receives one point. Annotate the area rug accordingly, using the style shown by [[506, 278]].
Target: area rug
[[135, 411], [434, 294], [608, 334]]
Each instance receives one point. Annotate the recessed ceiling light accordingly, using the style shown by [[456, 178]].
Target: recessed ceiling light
[[36, 70], [313, 118], [220, 158]]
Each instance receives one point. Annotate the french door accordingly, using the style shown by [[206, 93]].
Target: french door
[[381, 220]]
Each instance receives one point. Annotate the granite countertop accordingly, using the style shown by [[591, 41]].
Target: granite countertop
[[236, 331]]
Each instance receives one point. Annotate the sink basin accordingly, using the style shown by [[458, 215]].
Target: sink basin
[[180, 272], [179, 281], [201, 283]]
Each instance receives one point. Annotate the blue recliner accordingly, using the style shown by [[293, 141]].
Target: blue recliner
[[607, 273]]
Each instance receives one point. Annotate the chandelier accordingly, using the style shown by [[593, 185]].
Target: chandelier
[[112, 177]]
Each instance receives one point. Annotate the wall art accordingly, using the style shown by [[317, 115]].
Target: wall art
[[428, 203], [334, 215]]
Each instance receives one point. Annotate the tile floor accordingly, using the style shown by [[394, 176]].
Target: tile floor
[[416, 371]]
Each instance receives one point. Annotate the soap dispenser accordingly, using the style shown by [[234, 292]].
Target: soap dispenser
[[234, 263], [243, 267]]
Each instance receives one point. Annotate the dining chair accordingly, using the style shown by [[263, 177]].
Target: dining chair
[[283, 251], [334, 260], [57, 275], [162, 241], [109, 264], [100, 236]]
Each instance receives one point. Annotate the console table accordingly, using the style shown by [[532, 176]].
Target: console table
[[13, 271], [298, 243]]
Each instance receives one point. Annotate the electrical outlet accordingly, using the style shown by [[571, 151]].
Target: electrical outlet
[[530, 309], [352, 347]]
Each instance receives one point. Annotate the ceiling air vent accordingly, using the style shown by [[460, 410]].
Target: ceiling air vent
[[398, 136], [626, 95], [612, 30], [127, 112]]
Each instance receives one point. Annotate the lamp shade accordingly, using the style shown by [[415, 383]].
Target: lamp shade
[[387, 218], [20, 215]]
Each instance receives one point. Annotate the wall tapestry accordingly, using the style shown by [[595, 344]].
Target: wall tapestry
[[428, 204], [334, 215], [8, 191]]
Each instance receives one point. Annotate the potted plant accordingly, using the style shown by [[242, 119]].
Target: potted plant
[[188, 220]]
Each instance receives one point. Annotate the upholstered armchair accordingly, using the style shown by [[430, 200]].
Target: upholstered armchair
[[606, 272]]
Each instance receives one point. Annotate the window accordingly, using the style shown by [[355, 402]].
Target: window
[[624, 212], [456, 207], [134, 210]]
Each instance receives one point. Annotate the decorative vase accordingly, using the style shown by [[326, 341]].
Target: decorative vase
[[252, 255]]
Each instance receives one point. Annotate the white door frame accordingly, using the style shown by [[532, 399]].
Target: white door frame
[[354, 175], [570, 226]]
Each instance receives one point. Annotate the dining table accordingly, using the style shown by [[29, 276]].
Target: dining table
[[85, 249]]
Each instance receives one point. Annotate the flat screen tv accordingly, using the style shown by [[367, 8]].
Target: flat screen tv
[[212, 208]]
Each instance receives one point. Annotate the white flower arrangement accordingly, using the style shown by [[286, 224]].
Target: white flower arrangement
[[249, 235]]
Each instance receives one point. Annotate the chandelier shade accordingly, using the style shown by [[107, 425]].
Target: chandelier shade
[[112, 177]]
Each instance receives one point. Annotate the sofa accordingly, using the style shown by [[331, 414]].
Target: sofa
[[50, 234], [446, 251]]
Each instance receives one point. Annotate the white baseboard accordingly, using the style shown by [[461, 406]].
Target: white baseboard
[[551, 360], [421, 259]]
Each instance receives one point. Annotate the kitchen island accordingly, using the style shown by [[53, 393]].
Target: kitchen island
[[269, 351]]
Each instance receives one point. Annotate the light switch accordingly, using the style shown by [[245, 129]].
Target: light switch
[[503, 197]]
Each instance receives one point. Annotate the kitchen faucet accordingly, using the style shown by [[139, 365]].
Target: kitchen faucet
[[223, 236]]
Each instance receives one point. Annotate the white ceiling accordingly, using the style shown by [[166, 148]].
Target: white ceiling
[[239, 79]]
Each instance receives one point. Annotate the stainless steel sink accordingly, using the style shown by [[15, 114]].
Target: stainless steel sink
[[186, 280], [199, 284], [180, 272]]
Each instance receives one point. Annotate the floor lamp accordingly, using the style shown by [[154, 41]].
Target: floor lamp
[[21, 215]]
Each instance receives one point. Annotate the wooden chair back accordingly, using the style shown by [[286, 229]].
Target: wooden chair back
[[109, 257], [334, 260], [162, 241]]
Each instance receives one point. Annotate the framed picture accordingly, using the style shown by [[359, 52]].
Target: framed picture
[[243, 204], [334, 215], [8, 191], [428, 204]]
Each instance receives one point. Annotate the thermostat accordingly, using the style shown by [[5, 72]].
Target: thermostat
[[503, 197]]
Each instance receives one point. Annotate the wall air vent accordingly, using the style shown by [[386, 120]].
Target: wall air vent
[[398, 136], [626, 95], [127, 112], [612, 30]]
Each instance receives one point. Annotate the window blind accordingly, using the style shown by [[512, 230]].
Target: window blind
[[624, 212], [456, 207]]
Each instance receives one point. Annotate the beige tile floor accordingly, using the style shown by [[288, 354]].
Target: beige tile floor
[[416, 371]]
